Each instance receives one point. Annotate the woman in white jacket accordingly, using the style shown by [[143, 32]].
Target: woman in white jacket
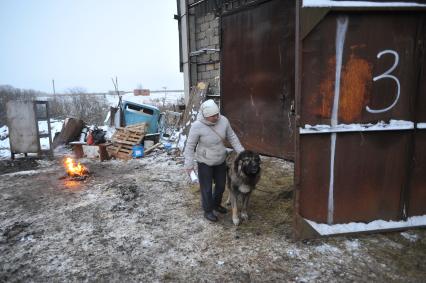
[[206, 137]]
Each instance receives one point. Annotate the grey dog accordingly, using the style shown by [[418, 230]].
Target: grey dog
[[242, 176]]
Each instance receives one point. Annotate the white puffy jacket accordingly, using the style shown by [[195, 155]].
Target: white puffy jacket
[[209, 146]]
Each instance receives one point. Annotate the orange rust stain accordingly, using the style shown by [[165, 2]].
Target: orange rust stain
[[355, 84], [324, 101], [358, 46]]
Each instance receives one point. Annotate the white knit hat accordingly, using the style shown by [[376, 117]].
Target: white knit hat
[[209, 108]]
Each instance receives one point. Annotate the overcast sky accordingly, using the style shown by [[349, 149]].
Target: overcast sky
[[83, 43]]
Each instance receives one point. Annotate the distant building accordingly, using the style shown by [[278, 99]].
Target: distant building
[[141, 92]]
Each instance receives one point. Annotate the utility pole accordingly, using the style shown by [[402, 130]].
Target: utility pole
[[165, 95], [53, 85]]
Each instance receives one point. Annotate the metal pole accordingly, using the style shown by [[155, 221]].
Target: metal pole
[[53, 85]]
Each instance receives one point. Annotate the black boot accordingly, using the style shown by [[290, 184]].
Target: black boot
[[221, 209], [210, 216]]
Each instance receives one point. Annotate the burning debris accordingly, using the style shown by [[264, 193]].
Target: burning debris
[[76, 171]]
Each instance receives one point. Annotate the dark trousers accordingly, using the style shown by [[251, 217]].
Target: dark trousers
[[206, 175]]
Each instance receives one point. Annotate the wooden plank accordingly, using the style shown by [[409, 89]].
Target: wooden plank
[[135, 130], [120, 148], [196, 98], [138, 126], [129, 142], [123, 156], [127, 138], [152, 148]]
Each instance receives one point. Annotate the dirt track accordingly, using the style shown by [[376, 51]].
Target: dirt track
[[141, 221]]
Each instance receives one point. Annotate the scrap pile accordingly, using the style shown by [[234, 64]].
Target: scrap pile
[[124, 139]]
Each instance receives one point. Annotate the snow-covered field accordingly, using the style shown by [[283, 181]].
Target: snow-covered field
[[155, 98]]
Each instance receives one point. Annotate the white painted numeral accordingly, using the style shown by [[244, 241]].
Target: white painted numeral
[[386, 75]]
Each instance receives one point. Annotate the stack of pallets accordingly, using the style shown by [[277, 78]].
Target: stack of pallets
[[124, 139]]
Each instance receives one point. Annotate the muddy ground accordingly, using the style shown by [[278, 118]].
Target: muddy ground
[[141, 221]]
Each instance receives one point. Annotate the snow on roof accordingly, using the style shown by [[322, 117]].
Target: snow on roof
[[325, 229], [331, 3]]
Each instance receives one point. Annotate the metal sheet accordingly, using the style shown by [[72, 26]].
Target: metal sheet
[[367, 36], [417, 192], [353, 64], [416, 196], [23, 131], [257, 76]]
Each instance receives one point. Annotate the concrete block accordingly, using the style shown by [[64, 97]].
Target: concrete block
[[200, 35], [214, 73], [214, 40], [209, 33], [204, 26], [205, 75], [209, 17], [215, 23], [215, 56], [209, 67]]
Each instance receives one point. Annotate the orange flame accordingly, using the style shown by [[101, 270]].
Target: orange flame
[[73, 169]]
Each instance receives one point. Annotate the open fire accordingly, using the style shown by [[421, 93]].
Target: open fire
[[74, 169]]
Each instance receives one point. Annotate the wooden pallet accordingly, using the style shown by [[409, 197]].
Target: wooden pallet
[[141, 126], [124, 139], [121, 151], [128, 136]]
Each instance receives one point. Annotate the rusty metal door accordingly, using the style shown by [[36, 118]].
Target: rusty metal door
[[361, 141], [257, 75]]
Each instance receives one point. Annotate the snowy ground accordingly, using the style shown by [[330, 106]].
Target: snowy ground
[[141, 221]]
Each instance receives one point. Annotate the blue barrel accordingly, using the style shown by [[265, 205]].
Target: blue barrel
[[137, 151]]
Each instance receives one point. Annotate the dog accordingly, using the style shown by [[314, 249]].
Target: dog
[[243, 173]]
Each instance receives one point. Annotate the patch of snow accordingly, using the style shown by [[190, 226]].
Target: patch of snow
[[325, 229], [42, 163], [109, 131], [4, 132], [352, 245], [146, 243], [421, 125], [409, 236], [28, 172], [293, 253], [4, 142], [331, 3], [393, 125], [181, 143], [327, 249], [4, 153]]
